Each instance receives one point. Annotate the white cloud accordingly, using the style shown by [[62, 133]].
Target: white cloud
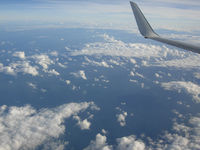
[[32, 85], [53, 72], [26, 68], [20, 66], [157, 75], [104, 131], [68, 82], [189, 87], [121, 118], [43, 60], [20, 54], [130, 143], [124, 143], [54, 53], [83, 124], [132, 74], [114, 47], [7, 69], [185, 62], [149, 54], [61, 65], [133, 61], [139, 75], [26, 128], [102, 63], [80, 74], [197, 75], [99, 143], [184, 137]]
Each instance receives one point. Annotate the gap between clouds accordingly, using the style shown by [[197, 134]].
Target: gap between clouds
[[183, 137]]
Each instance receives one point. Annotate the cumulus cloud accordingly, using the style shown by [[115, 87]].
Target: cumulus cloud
[[80, 74], [104, 131], [185, 62], [43, 60], [53, 72], [189, 87], [26, 128], [20, 54], [130, 143], [54, 53], [67, 82], [124, 143], [95, 63], [121, 118], [24, 65], [7, 69], [32, 85], [99, 143], [83, 124], [197, 75], [183, 137], [186, 136], [114, 47], [20, 66]]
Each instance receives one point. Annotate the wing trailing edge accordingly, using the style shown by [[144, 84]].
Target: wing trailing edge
[[147, 31]]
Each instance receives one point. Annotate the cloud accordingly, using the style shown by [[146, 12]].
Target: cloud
[[189, 87], [149, 54], [83, 124], [197, 75], [26, 128], [121, 118], [20, 54], [112, 47], [43, 60], [24, 65], [67, 82], [20, 66], [130, 143], [32, 85], [101, 64], [80, 74], [104, 131], [54, 53], [7, 69], [53, 72], [182, 137], [99, 143], [184, 62]]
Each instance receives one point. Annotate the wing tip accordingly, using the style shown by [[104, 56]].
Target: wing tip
[[133, 3]]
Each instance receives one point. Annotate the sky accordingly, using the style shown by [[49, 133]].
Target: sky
[[181, 15]]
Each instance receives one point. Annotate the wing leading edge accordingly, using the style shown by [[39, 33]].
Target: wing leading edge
[[147, 31]]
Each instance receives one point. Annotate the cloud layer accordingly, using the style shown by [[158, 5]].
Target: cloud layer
[[150, 55]]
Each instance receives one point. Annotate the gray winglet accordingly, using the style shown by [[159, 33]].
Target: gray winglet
[[147, 31], [143, 25]]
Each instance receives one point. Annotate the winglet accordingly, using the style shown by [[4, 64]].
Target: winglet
[[147, 31], [143, 25]]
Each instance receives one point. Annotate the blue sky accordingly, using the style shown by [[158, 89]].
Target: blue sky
[[117, 14]]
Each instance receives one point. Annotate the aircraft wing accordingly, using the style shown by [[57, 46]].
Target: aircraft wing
[[147, 31]]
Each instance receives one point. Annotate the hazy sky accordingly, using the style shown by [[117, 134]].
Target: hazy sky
[[170, 14]]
